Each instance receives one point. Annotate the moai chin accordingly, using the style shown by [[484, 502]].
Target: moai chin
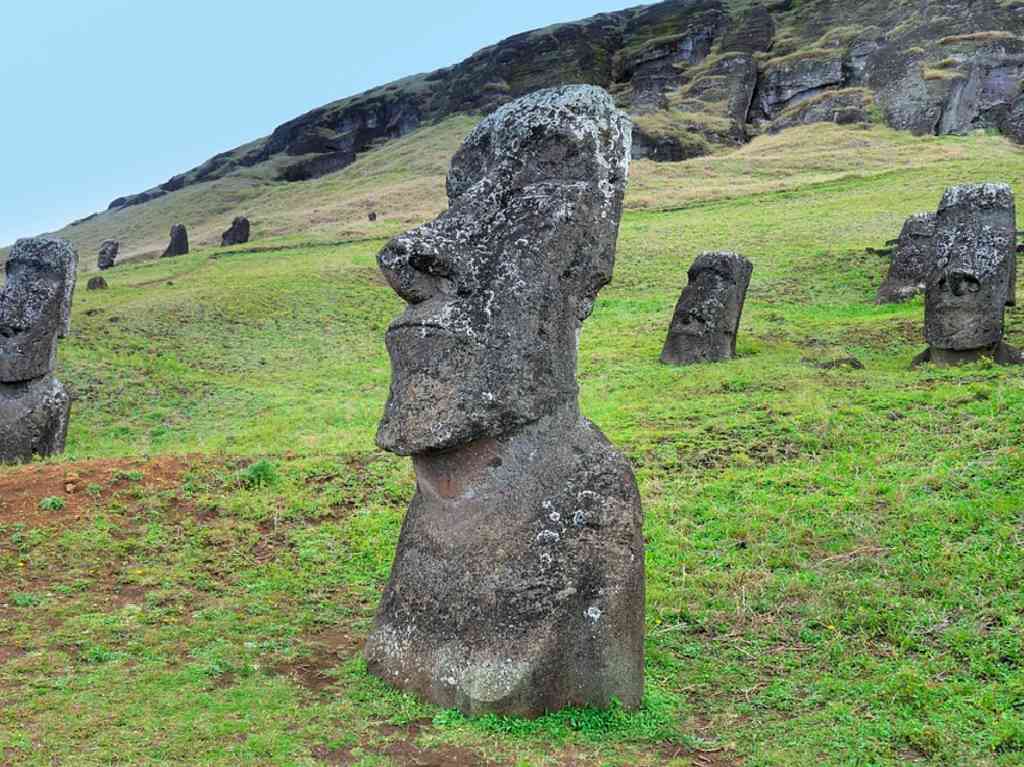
[[974, 279], [518, 582], [35, 310], [707, 317]]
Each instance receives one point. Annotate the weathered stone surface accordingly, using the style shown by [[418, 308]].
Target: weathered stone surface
[[178, 246], [912, 261], [96, 283], [967, 293], [788, 81], [653, 70], [35, 306], [108, 254], [842, 107], [35, 310], [237, 234], [518, 583], [754, 33], [938, 66], [707, 317], [33, 419]]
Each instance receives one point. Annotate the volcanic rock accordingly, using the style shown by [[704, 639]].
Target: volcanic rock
[[35, 310], [33, 419], [913, 260], [108, 254], [518, 584], [707, 317], [178, 245], [238, 234], [35, 306], [975, 275]]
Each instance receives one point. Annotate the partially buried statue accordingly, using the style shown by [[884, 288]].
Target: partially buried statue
[[974, 278], [707, 317], [518, 583], [913, 260], [35, 310]]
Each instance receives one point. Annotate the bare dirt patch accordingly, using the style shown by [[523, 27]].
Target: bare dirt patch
[[329, 650], [408, 754], [81, 486], [7, 652]]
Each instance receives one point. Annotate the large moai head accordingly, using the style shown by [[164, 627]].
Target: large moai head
[[975, 268], [499, 285], [707, 317], [35, 306]]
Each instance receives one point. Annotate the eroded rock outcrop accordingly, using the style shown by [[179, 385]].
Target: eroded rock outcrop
[[35, 310], [518, 583], [974, 277], [178, 246], [96, 283], [108, 254], [237, 233], [913, 261], [687, 71], [707, 317]]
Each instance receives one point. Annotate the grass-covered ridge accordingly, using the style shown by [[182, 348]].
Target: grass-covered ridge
[[835, 557]]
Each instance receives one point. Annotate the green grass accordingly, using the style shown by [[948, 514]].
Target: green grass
[[835, 558]]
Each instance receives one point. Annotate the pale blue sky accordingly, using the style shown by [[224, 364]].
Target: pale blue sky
[[107, 97]]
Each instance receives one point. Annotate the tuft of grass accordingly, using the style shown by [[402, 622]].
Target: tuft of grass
[[262, 473], [992, 36], [52, 503]]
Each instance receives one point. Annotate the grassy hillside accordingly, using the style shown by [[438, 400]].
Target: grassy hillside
[[403, 182], [835, 557]]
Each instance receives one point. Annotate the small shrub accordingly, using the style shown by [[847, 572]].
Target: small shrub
[[52, 503], [25, 600], [128, 476], [263, 473]]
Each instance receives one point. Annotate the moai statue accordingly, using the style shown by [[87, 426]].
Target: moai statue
[[238, 234], [707, 317], [108, 254], [35, 310], [912, 261], [372, 216], [974, 279], [178, 246], [518, 583]]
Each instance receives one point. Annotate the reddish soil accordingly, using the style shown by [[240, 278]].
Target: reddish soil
[[330, 649], [21, 489], [8, 653]]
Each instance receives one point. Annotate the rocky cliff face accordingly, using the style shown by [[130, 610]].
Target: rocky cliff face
[[696, 74]]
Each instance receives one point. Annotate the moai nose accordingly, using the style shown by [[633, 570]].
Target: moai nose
[[962, 283], [415, 267]]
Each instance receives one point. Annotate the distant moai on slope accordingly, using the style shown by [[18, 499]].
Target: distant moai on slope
[[237, 234], [178, 246], [913, 261], [518, 583], [707, 317], [35, 310], [108, 254], [974, 279]]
